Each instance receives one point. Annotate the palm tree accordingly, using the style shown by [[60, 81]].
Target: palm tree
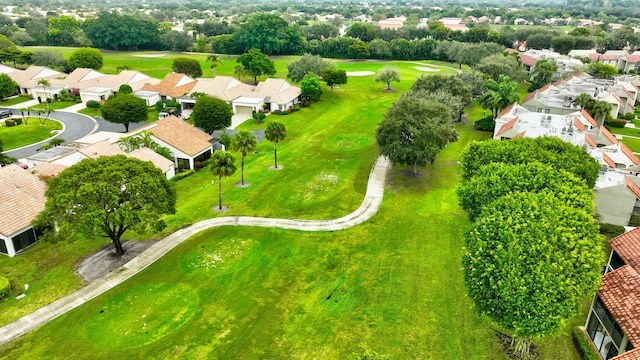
[[238, 70], [45, 83], [222, 164], [600, 110], [582, 100], [275, 132], [499, 95], [215, 61], [243, 142]]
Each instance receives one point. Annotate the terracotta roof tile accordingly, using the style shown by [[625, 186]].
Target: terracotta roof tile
[[520, 135], [578, 124], [507, 109], [507, 126], [620, 292], [21, 198], [632, 58], [629, 154], [530, 96], [629, 355], [588, 117], [608, 160], [590, 141], [632, 186], [527, 60], [608, 135], [49, 169], [627, 246], [179, 134], [618, 98]]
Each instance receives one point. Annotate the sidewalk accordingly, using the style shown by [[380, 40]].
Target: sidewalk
[[369, 207], [74, 108]]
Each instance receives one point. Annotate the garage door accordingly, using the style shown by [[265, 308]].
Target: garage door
[[244, 110]]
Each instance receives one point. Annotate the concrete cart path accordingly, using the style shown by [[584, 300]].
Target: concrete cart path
[[369, 207]]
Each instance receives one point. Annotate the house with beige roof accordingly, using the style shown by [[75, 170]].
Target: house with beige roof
[[613, 324], [29, 78], [21, 200], [225, 88], [172, 86], [187, 143]]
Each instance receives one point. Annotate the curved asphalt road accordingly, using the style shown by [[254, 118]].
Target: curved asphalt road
[[76, 127]]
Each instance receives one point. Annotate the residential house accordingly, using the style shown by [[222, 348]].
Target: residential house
[[223, 87], [566, 65], [629, 62], [187, 143], [392, 23], [558, 97], [21, 200], [613, 324], [149, 97], [172, 86], [278, 94], [29, 78]]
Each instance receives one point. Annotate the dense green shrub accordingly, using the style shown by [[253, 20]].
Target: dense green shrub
[[485, 124], [616, 123], [629, 116], [10, 122], [5, 287], [583, 345], [611, 230], [183, 174]]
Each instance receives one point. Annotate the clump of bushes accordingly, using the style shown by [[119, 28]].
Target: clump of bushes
[[183, 174], [616, 123], [485, 124], [635, 219], [5, 287], [258, 117], [13, 122]]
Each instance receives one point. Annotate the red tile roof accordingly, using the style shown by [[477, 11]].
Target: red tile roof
[[629, 154], [588, 117], [627, 246], [594, 57], [620, 293], [182, 136], [632, 186], [590, 141], [629, 355], [608, 160], [578, 124], [530, 96], [507, 109], [608, 57], [507, 126], [608, 135], [520, 135], [633, 58], [618, 98], [527, 60], [173, 85]]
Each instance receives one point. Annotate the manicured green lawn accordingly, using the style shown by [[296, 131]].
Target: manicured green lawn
[[14, 101], [625, 131], [56, 105], [152, 113], [632, 143], [21, 135], [393, 284]]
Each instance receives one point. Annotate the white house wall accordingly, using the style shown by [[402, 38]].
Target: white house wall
[[93, 96]]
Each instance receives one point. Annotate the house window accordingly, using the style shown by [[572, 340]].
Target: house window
[[615, 262], [183, 164], [603, 330], [24, 239], [3, 247]]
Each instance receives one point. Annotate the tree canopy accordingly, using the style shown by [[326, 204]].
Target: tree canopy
[[255, 63], [222, 164], [86, 58], [124, 109], [529, 261], [334, 77], [542, 73], [211, 114], [414, 131], [107, 196], [311, 88], [387, 75], [499, 94], [113, 31], [243, 142], [495, 180], [270, 34], [275, 132], [188, 66], [547, 150], [7, 86], [307, 63]]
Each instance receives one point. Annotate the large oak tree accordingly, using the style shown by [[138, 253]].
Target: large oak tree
[[106, 197]]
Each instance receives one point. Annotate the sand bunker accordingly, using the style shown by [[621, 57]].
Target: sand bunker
[[424, 68], [150, 55], [359, 73]]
